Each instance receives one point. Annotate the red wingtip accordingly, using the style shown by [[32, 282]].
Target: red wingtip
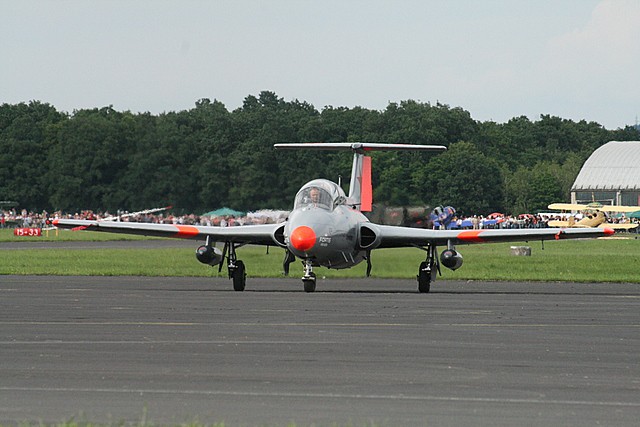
[[609, 231], [471, 236], [55, 222]]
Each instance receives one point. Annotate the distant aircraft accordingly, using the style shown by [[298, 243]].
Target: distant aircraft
[[327, 228], [120, 217], [595, 216], [595, 206]]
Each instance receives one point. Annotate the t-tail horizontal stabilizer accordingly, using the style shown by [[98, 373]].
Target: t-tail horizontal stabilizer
[[360, 188]]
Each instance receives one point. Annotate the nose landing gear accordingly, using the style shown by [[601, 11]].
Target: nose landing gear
[[309, 277]]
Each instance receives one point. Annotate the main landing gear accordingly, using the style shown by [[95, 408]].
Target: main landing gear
[[235, 267], [428, 269], [309, 277]]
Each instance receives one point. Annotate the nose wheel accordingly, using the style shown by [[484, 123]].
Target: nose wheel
[[309, 278], [309, 283]]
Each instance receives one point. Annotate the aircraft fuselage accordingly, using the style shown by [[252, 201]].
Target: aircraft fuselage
[[329, 238]]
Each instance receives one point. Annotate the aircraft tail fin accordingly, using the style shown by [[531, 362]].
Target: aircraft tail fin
[[366, 188], [360, 187]]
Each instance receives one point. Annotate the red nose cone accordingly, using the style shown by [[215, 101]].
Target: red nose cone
[[303, 238]]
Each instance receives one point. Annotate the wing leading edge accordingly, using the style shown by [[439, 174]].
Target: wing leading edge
[[248, 234], [395, 237]]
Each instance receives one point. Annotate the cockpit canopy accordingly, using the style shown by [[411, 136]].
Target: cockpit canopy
[[320, 193]]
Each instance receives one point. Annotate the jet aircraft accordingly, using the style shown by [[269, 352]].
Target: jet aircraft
[[327, 228]]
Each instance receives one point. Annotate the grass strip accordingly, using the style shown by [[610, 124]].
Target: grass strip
[[593, 260]]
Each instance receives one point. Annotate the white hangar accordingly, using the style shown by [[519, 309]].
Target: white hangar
[[611, 175]]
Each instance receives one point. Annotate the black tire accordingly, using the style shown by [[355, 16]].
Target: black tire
[[239, 277], [424, 278], [310, 284]]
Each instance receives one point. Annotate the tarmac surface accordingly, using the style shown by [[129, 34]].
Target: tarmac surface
[[356, 352]]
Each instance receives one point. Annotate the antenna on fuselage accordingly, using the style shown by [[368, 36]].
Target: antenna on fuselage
[[360, 188]]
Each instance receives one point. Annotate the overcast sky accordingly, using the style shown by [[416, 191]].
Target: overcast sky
[[576, 59]]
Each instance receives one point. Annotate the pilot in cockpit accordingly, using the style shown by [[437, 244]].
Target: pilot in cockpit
[[314, 195]]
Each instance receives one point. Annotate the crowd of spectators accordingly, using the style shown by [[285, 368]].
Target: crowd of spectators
[[532, 221], [23, 218]]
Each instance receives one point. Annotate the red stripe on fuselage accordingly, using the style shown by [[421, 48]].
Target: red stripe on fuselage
[[472, 236], [186, 231]]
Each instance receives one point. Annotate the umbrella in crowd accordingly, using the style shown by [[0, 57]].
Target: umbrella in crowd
[[224, 212]]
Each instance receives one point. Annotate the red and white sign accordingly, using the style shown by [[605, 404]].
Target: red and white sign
[[34, 232]]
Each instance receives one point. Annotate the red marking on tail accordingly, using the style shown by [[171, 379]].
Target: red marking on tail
[[366, 188]]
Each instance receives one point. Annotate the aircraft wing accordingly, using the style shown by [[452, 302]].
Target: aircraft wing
[[612, 208], [603, 208], [568, 206], [249, 234], [604, 225], [619, 226], [393, 237], [558, 223]]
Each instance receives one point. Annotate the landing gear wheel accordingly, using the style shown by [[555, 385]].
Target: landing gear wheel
[[239, 277], [309, 283], [424, 278]]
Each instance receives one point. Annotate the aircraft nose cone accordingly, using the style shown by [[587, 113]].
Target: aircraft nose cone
[[303, 238]]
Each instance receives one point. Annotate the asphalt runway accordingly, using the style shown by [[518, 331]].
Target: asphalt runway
[[356, 352]]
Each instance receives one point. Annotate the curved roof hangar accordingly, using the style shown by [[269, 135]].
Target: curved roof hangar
[[614, 166]]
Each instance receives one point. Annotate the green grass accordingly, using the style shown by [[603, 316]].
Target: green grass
[[597, 260], [6, 235]]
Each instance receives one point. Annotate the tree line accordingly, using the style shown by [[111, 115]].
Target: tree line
[[207, 157]]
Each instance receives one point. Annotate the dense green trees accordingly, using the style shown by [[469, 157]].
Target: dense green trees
[[208, 157]]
